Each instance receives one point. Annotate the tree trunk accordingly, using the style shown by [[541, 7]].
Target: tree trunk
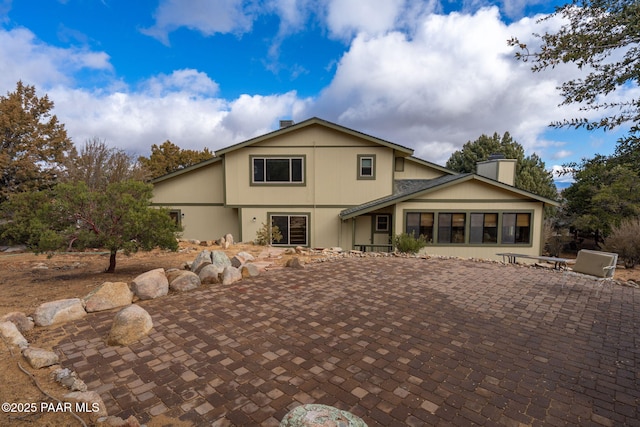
[[112, 262]]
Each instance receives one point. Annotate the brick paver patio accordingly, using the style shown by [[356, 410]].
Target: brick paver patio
[[395, 341]]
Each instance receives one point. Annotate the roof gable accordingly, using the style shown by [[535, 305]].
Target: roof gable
[[315, 122], [411, 188], [186, 170]]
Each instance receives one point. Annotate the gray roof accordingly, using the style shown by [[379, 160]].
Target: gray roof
[[405, 189], [402, 189]]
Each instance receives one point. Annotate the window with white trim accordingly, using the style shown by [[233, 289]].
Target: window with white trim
[[278, 170], [366, 166], [382, 222]]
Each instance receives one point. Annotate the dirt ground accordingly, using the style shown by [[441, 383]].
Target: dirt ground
[[28, 280]]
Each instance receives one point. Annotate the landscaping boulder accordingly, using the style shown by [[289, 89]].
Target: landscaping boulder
[[203, 258], [9, 331], [150, 285], [241, 258], [295, 263], [59, 311], [220, 259], [40, 358], [249, 270], [210, 274], [228, 238], [94, 404], [130, 325], [107, 296], [113, 421], [184, 281], [69, 379], [230, 275], [21, 320], [316, 415]]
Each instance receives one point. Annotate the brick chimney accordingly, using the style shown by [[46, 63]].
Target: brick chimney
[[499, 169]]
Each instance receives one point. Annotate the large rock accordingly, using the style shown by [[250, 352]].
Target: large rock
[[230, 275], [203, 258], [228, 238], [150, 285], [241, 258], [249, 270], [185, 281], [113, 421], [92, 401], [210, 274], [69, 379], [295, 262], [59, 311], [9, 331], [316, 415], [220, 259], [107, 296], [130, 325], [40, 358], [21, 320]]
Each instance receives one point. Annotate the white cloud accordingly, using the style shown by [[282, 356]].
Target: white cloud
[[135, 121], [23, 57], [348, 17], [452, 80], [187, 80], [207, 16], [562, 174], [434, 84]]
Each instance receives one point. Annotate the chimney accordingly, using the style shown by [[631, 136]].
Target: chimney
[[285, 123], [499, 169]]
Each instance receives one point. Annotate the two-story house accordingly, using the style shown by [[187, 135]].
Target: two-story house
[[325, 185]]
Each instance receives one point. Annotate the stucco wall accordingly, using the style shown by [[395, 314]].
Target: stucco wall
[[417, 170], [324, 224], [201, 185], [476, 197], [330, 171], [198, 197]]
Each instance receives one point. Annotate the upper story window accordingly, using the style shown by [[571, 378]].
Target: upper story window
[[279, 170], [367, 166]]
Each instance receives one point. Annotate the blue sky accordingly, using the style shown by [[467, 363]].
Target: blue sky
[[425, 74]]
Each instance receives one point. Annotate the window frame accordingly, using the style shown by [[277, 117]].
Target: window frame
[[516, 229], [429, 236], [526, 240], [484, 228], [371, 157], [387, 226], [287, 233], [265, 162], [452, 229]]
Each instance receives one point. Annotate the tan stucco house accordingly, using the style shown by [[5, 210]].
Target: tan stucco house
[[325, 185]]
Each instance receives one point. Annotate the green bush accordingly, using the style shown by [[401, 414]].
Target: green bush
[[267, 235], [407, 243]]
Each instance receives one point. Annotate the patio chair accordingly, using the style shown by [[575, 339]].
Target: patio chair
[[601, 265]]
